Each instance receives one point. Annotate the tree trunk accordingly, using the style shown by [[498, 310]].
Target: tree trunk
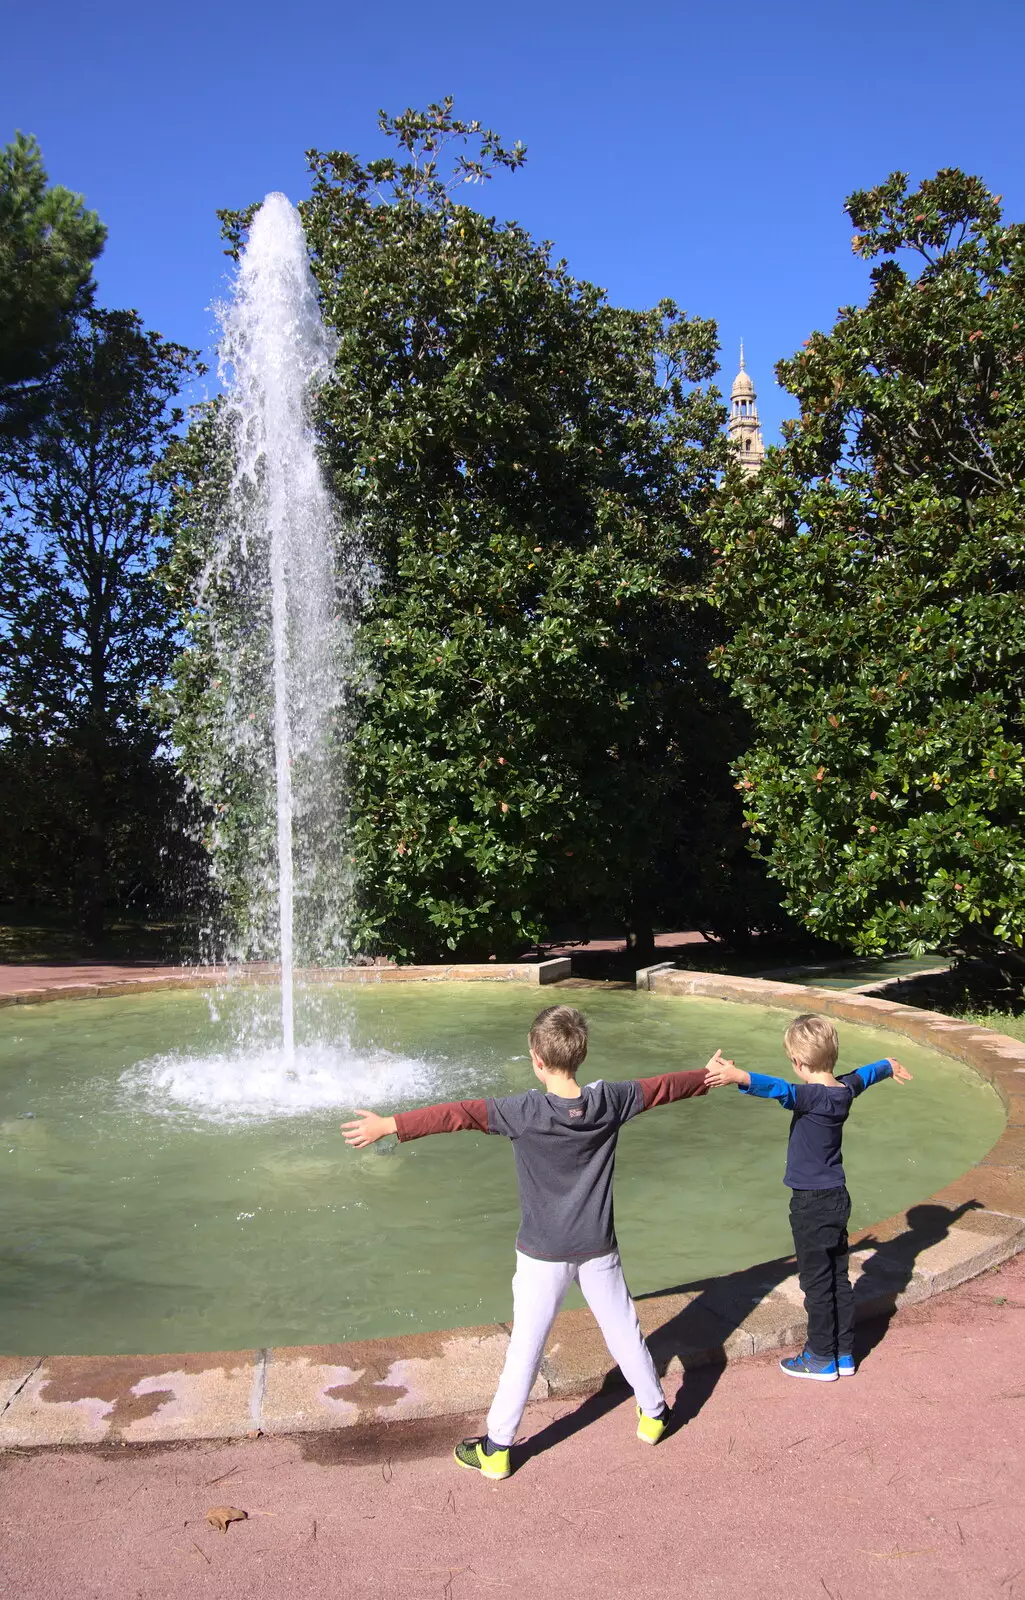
[[93, 892], [640, 933]]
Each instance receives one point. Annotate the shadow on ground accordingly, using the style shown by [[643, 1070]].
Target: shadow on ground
[[715, 1309]]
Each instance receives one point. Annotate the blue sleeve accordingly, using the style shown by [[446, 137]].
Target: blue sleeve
[[864, 1077], [772, 1089]]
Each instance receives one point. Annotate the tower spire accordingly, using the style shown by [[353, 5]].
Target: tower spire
[[744, 428]]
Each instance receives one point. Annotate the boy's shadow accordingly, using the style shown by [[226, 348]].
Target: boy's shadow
[[715, 1308], [728, 1301], [889, 1270]]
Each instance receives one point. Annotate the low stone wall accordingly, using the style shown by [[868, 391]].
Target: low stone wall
[[972, 1224], [123, 981]]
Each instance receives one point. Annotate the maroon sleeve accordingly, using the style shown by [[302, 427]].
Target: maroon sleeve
[[449, 1117], [671, 1086]]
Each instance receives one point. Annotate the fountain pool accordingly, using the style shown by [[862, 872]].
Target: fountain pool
[[165, 1188]]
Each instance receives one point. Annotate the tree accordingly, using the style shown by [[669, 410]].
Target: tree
[[541, 740], [85, 631], [873, 573], [48, 243]]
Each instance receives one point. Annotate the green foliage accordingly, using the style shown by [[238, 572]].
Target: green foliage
[[873, 577], [197, 470], [48, 242], [540, 738], [85, 632]]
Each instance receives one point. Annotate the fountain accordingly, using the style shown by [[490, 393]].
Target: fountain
[[278, 594], [171, 1172], [275, 555], [172, 1189]]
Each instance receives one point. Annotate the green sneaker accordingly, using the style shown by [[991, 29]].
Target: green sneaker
[[651, 1429], [471, 1453]]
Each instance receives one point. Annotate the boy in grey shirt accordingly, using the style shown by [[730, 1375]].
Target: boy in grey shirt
[[564, 1142]]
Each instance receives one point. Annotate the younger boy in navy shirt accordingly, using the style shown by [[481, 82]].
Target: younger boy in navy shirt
[[820, 1206]]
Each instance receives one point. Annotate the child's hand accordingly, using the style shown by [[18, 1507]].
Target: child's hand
[[367, 1130], [719, 1072], [900, 1074]]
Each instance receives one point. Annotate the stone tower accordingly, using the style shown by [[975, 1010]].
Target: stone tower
[[743, 427]]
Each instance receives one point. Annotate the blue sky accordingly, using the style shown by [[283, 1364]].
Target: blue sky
[[697, 151]]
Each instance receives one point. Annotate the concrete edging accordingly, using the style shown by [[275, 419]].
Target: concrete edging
[[553, 970], [972, 1224]]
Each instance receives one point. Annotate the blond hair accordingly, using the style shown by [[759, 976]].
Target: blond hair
[[812, 1040], [558, 1037]]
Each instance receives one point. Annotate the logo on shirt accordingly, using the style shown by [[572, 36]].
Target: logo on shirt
[[576, 1112]]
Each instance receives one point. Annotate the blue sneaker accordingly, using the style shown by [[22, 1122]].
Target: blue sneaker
[[806, 1365], [845, 1367]]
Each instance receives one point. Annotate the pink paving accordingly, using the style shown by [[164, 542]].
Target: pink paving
[[903, 1482], [31, 975], [663, 941], [14, 978]]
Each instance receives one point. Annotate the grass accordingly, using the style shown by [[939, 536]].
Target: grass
[[1000, 1021]]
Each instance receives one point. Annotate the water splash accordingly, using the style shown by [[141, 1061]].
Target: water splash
[[278, 614], [256, 1084]]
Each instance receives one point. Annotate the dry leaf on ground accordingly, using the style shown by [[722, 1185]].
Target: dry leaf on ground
[[220, 1516]]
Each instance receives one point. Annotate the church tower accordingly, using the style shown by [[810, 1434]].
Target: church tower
[[743, 427]]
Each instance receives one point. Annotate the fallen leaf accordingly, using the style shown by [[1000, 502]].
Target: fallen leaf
[[220, 1516]]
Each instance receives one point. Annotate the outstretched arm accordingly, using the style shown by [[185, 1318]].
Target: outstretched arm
[[367, 1129], [876, 1072], [669, 1086], [756, 1083], [449, 1117], [720, 1072]]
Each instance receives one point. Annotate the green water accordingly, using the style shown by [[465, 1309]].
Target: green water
[[144, 1214]]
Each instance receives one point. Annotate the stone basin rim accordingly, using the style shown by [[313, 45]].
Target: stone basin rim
[[91, 1400]]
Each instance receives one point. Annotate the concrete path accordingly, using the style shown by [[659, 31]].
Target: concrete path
[[17, 977], [907, 1481]]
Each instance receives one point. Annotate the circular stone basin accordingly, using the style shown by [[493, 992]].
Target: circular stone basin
[[166, 1186]]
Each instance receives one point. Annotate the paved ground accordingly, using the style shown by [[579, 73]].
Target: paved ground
[[15, 976], [906, 1481], [28, 975], [663, 941]]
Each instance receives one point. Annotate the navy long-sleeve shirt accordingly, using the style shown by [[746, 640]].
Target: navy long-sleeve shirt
[[814, 1150]]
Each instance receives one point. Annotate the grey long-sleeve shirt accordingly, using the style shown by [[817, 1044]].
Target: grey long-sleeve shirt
[[565, 1153]]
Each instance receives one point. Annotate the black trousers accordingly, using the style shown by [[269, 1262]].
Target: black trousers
[[819, 1219]]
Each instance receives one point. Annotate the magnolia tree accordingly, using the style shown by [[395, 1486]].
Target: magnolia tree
[[873, 576], [540, 739]]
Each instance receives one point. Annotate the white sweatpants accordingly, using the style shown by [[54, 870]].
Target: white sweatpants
[[538, 1291]]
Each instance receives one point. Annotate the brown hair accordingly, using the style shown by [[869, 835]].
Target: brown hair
[[812, 1040], [558, 1037]]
